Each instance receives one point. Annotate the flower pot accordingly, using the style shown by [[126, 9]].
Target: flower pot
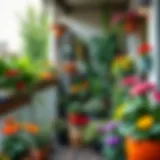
[[78, 119], [76, 136], [41, 154], [142, 150], [59, 30], [70, 68]]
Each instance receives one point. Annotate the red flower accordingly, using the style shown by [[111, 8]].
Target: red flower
[[144, 49], [20, 85], [12, 73], [79, 120], [132, 15]]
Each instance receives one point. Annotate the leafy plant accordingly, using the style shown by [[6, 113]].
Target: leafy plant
[[75, 108], [35, 32]]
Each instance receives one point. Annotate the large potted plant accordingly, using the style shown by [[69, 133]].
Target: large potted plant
[[141, 125]]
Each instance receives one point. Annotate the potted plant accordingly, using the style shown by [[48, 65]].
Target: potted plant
[[131, 21], [24, 141], [77, 115], [59, 30], [112, 141], [15, 146], [141, 124]]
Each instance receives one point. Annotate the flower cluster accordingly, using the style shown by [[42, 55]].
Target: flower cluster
[[123, 65]]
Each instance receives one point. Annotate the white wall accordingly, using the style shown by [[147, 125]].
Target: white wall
[[10, 10]]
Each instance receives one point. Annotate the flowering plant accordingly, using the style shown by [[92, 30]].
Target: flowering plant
[[123, 66], [145, 62], [18, 138], [112, 140], [139, 115]]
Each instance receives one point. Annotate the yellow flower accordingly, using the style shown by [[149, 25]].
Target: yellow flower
[[120, 111], [75, 88], [145, 122]]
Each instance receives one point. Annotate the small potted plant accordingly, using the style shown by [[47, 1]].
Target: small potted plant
[[77, 115], [15, 146], [131, 21], [59, 30], [78, 120], [112, 141]]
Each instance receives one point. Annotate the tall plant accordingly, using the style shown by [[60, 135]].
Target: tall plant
[[35, 34]]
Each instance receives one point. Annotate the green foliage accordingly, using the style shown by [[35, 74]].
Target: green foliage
[[76, 108], [91, 134], [15, 147], [95, 107], [140, 108], [35, 35]]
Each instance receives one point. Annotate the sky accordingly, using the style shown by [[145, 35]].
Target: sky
[[10, 10]]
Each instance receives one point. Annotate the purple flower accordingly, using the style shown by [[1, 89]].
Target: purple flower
[[109, 127], [112, 140]]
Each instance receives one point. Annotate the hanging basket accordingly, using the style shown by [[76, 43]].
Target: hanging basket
[[142, 150], [70, 68], [131, 21], [59, 30]]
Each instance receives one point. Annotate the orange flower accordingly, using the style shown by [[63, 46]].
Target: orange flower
[[10, 129], [31, 128]]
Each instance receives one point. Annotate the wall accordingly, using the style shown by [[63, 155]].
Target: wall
[[84, 24]]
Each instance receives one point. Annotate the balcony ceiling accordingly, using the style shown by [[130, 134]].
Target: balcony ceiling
[[85, 5]]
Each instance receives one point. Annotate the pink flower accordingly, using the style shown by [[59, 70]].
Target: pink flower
[[130, 81], [141, 88], [117, 17], [132, 15], [156, 96]]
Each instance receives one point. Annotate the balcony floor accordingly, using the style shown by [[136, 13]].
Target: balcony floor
[[75, 154]]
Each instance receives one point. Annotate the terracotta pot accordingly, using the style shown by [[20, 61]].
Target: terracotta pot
[[40, 154], [142, 150], [70, 68], [76, 136], [59, 30]]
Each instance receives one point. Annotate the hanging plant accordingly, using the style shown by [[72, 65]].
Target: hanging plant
[[131, 21], [59, 30]]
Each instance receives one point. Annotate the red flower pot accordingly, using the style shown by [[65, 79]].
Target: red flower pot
[[77, 119]]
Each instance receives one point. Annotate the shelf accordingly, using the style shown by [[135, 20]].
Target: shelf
[[18, 101]]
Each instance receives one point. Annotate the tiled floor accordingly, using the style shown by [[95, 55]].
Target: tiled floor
[[75, 154]]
